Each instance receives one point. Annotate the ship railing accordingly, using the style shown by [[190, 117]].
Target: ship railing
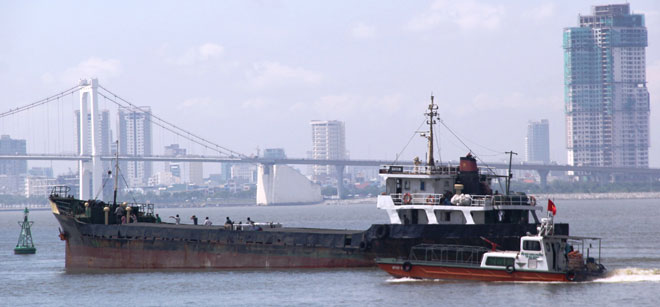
[[417, 199], [448, 254], [419, 170], [60, 191], [511, 200], [436, 199], [470, 200], [143, 208], [253, 226]]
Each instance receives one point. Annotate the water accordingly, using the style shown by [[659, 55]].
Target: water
[[630, 251]]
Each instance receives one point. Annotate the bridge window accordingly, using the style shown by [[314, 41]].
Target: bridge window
[[499, 261], [422, 185], [529, 245]]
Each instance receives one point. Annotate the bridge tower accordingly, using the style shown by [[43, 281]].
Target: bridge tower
[[89, 131]]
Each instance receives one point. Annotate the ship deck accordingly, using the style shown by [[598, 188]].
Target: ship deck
[[265, 229]]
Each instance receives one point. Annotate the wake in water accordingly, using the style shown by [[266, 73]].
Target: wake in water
[[615, 276], [631, 275]]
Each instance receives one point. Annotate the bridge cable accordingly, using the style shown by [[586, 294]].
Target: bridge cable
[[164, 127], [190, 134], [41, 102]]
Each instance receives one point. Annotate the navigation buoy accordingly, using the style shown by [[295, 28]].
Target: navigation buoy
[[25, 244]]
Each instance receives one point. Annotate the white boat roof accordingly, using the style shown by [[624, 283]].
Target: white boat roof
[[574, 237]]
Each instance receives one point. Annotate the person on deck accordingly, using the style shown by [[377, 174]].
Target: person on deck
[[228, 223], [119, 212], [207, 222], [158, 220], [194, 218], [177, 219]]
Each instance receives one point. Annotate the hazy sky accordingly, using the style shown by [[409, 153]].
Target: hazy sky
[[254, 73]]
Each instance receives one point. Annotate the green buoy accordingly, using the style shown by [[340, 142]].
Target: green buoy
[[25, 244]]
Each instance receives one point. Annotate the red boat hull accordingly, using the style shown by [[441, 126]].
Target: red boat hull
[[467, 273]]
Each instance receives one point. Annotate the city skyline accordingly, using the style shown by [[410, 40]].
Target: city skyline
[[277, 90]]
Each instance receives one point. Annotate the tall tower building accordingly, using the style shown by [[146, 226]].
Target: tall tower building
[[135, 140], [606, 99], [328, 143], [9, 146], [537, 142], [103, 133]]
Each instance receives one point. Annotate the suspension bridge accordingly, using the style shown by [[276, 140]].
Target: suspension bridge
[[90, 157]]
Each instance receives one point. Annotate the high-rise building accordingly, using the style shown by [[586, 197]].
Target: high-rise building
[[606, 99], [537, 142], [196, 173], [274, 153], [103, 133], [244, 173], [9, 146], [174, 150], [328, 143], [135, 140]]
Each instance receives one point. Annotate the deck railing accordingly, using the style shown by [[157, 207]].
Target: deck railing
[[420, 169], [448, 254], [476, 200]]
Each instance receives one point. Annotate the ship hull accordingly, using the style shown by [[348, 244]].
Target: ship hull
[[144, 246]]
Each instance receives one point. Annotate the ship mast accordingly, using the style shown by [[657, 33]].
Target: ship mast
[[114, 199], [432, 113]]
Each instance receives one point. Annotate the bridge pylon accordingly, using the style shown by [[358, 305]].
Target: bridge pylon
[[92, 169]]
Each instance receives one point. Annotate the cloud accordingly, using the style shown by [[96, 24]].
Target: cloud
[[273, 74], [542, 12], [195, 103], [362, 30], [343, 105], [198, 54], [467, 15], [256, 104], [92, 67], [511, 101]]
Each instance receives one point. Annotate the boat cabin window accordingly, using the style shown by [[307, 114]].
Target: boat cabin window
[[530, 245], [422, 186], [406, 184], [499, 261]]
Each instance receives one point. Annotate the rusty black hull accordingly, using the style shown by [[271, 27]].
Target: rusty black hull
[[167, 246]]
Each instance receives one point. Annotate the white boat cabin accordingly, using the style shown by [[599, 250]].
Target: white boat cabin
[[546, 252], [449, 195]]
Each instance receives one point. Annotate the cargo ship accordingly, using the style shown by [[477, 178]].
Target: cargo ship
[[426, 204]]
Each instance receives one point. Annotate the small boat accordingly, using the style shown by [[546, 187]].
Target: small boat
[[544, 257]]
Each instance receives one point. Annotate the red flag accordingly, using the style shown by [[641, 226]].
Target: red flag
[[552, 208]]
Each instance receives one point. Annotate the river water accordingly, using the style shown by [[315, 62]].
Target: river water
[[631, 252]]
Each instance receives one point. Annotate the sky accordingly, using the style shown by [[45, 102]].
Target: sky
[[253, 74]]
